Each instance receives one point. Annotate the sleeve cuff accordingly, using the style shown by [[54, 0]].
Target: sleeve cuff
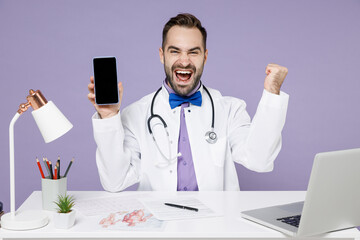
[[107, 124], [274, 100]]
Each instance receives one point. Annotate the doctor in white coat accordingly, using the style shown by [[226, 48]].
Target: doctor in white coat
[[205, 134]]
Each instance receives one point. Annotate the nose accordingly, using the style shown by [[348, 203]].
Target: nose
[[184, 59]]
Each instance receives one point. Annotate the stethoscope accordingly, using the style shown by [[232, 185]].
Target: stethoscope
[[210, 136]]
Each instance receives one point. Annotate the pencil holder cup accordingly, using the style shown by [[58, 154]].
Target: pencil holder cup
[[51, 189]]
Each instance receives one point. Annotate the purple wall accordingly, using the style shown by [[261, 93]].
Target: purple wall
[[49, 45]]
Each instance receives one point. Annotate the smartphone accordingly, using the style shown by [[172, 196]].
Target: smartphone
[[105, 80]]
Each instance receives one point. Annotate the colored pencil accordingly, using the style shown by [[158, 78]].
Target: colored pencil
[[46, 166], [58, 167], [55, 173], [67, 170], [47, 161], [50, 168], [41, 171]]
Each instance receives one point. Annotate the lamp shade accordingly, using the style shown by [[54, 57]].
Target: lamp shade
[[51, 122]]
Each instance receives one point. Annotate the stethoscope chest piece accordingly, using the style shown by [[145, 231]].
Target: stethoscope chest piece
[[211, 137]]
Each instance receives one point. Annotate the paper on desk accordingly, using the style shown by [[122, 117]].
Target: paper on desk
[[163, 212], [101, 206], [118, 213]]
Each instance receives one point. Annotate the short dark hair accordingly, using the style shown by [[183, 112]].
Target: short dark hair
[[184, 20]]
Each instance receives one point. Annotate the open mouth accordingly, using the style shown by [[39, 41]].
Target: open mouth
[[183, 75]]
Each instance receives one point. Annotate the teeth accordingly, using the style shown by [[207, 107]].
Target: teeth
[[183, 72]]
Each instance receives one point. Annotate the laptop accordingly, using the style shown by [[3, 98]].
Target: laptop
[[332, 200]]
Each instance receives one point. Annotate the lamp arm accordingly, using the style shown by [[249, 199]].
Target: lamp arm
[[12, 164], [23, 220], [22, 108]]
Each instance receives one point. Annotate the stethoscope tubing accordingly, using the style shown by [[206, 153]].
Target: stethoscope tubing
[[211, 136], [212, 107], [163, 121]]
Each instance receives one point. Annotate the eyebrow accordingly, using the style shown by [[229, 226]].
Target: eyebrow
[[173, 47], [195, 48], [190, 50]]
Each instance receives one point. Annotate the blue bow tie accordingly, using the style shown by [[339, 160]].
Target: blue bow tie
[[176, 100]]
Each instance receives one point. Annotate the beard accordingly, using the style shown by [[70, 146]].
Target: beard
[[183, 90]]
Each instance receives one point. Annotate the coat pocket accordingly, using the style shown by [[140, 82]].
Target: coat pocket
[[218, 151]]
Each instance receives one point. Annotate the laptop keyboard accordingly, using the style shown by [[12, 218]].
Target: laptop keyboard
[[292, 220]]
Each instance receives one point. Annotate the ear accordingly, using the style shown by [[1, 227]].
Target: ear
[[206, 55], [161, 55]]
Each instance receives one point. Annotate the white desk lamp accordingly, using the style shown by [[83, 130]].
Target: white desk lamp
[[52, 124]]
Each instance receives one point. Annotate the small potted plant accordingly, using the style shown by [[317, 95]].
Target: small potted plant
[[65, 215]]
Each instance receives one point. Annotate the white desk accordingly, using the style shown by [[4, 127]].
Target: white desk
[[229, 226]]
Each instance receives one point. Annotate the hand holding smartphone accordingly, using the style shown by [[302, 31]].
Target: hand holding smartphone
[[105, 80], [105, 107]]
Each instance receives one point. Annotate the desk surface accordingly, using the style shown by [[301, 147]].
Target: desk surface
[[230, 225]]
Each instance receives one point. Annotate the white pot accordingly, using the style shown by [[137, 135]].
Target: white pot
[[64, 220]]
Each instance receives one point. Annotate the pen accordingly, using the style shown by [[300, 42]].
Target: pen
[[67, 170], [181, 206], [41, 171]]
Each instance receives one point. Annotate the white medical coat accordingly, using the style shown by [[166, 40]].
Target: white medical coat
[[126, 153]]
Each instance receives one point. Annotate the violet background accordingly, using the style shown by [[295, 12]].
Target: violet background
[[49, 45]]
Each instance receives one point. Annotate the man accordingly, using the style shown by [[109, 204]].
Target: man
[[207, 131]]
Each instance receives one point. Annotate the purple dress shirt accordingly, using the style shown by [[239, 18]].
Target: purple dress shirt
[[185, 168]]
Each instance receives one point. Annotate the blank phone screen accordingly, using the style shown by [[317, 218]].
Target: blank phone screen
[[105, 79]]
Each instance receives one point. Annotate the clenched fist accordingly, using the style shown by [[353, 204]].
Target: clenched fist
[[275, 76]]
